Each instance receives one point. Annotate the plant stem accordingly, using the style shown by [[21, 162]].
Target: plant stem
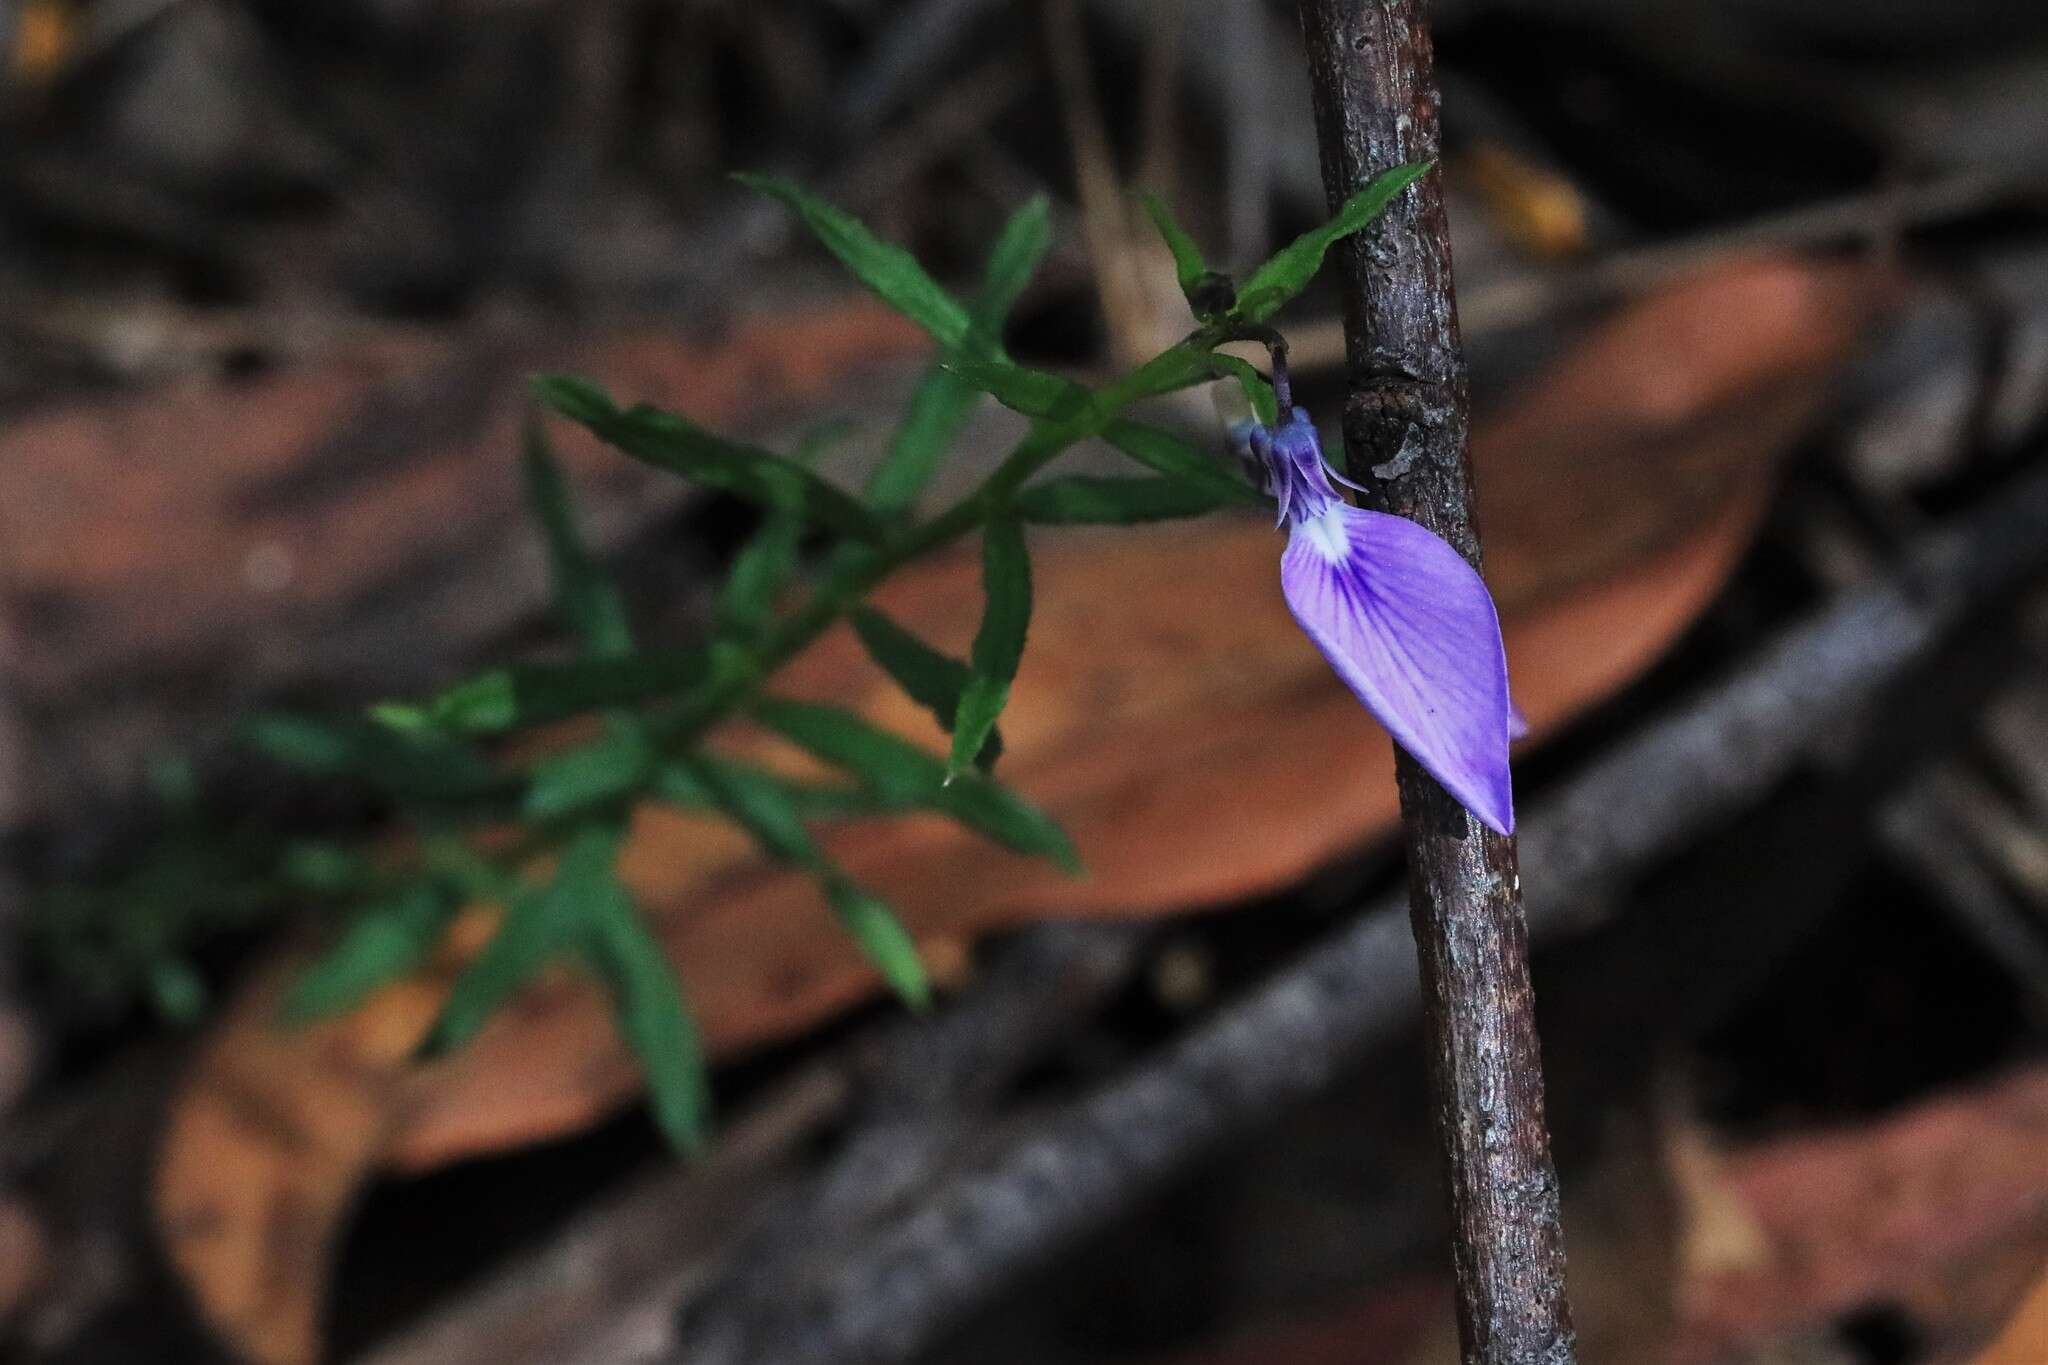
[[858, 574], [1372, 74]]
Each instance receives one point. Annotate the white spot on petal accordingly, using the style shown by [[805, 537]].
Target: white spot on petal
[[1327, 534]]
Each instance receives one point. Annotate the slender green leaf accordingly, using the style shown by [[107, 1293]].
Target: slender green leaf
[[1055, 400], [418, 763], [587, 598], [589, 775], [1290, 269], [529, 694], [897, 770], [938, 406], [931, 679], [1209, 293], [1034, 393], [942, 401], [1012, 262], [759, 804], [999, 643], [1188, 266], [1165, 453], [767, 562], [579, 400], [538, 923], [1180, 366], [981, 706], [889, 270], [765, 807], [992, 809], [1258, 390], [882, 938], [759, 573], [386, 942], [901, 773], [669, 441], [1083, 501], [683, 785], [648, 1005], [1006, 580]]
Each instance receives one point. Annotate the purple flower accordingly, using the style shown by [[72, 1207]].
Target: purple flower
[[1405, 621]]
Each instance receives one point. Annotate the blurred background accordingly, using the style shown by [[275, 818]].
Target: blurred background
[[1755, 296]]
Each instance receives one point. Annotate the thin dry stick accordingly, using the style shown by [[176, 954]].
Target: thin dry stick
[[1372, 74]]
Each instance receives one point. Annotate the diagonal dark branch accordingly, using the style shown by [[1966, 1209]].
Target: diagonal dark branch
[[975, 1230], [1406, 419]]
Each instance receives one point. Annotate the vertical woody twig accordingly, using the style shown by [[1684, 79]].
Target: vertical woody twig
[[1405, 418]]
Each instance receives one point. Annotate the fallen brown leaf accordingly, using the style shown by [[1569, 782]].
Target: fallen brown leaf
[[1909, 1211], [168, 558], [2025, 1338]]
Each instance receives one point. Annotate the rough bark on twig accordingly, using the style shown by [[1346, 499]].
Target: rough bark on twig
[[1406, 419]]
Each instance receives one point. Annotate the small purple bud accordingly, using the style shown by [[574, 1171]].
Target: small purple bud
[[1406, 622]]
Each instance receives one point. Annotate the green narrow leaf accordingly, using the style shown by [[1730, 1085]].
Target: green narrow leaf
[[981, 706], [1006, 579], [588, 775], [386, 942], [1180, 366], [1165, 453], [942, 401], [999, 643], [1049, 398], [682, 785], [887, 269], [1012, 262], [760, 571], [758, 804], [1290, 269], [764, 807], [767, 562], [937, 408], [579, 400], [1083, 501], [1209, 293], [672, 442], [528, 694], [1258, 390], [585, 595], [902, 774], [538, 923], [1188, 265], [988, 807], [898, 771], [419, 763], [1034, 393], [883, 939], [654, 1020], [931, 679]]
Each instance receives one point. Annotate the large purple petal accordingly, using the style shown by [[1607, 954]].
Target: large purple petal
[[1411, 629]]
